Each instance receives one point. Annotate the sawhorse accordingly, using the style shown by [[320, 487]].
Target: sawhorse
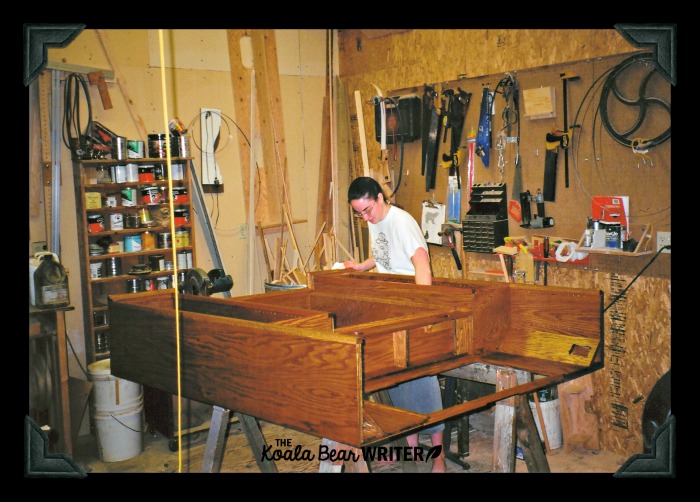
[[216, 440], [514, 423]]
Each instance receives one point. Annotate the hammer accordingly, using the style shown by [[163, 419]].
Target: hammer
[[565, 78]]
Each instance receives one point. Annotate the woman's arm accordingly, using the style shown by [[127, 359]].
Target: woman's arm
[[368, 264], [421, 262]]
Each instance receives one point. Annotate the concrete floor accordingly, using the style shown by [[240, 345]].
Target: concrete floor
[[157, 456]]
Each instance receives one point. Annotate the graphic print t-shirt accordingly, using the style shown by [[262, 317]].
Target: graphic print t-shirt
[[394, 240]]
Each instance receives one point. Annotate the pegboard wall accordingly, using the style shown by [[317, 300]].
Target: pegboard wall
[[598, 164]]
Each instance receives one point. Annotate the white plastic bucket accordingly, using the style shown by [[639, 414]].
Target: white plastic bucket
[[552, 422], [116, 406]]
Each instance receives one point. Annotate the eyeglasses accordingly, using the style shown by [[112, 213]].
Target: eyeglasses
[[364, 212]]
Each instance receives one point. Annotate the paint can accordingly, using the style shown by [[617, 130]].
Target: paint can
[[150, 195], [133, 286], [131, 221], [132, 243], [148, 241], [111, 200], [180, 195], [135, 149], [145, 218], [182, 238], [101, 341], [114, 266], [116, 221], [118, 174], [178, 171], [183, 145], [132, 172], [157, 146], [163, 282], [146, 173], [129, 197], [148, 284], [119, 149], [184, 259], [165, 240], [96, 269], [182, 217], [115, 247], [157, 262], [96, 223], [160, 172]]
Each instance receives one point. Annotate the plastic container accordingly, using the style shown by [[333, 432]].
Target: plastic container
[[116, 407], [48, 281]]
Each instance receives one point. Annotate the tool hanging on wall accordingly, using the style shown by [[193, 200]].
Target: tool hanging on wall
[[539, 220], [453, 112], [448, 234], [428, 103], [566, 78], [483, 137], [471, 146], [431, 152], [555, 140]]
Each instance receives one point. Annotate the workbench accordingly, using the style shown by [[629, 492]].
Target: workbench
[[309, 359]]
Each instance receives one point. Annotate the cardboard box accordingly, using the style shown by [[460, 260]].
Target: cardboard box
[[93, 200]]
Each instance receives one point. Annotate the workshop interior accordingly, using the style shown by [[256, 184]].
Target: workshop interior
[[188, 222]]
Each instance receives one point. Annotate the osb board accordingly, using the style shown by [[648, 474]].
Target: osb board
[[637, 333], [637, 350], [637, 354], [402, 64]]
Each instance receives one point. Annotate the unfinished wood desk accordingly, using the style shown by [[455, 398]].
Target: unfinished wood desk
[[52, 328], [309, 359]]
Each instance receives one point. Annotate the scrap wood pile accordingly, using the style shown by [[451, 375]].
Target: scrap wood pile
[[283, 270]]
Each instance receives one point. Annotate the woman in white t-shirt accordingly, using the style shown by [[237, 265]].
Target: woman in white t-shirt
[[398, 247]]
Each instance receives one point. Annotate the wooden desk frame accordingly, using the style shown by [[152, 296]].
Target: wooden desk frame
[[310, 359]]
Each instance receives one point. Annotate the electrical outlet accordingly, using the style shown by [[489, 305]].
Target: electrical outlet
[[242, 231], [663, 239]]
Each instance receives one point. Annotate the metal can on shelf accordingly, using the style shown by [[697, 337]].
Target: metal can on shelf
[[148, 241], [135, 148], [150, 195], [132, 221], [102, 342], [180, 195], [160, 172], [157, 262], [96, 269], [165, 240], [132, 243], [146, 173], [177, 170], [132, 172], [182, 217], [145, 218], [114, 266], [129, 197], [96, 223], [182, 238], [184, 259], [116, 221], [119, 174], [163, 282], [134, 286]]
